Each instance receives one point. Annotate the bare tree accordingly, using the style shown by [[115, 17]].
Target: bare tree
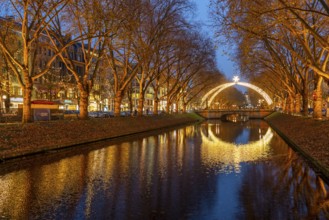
[[30, 19], [190, 55], [120, 57], [160, 20], [299, 28], [82, 32], [6, 77]]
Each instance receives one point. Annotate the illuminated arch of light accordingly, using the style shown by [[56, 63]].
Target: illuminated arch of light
[[215, 91], [215, 150]]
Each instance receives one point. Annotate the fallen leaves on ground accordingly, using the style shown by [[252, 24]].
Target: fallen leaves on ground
[[312, 136], [19, 139]]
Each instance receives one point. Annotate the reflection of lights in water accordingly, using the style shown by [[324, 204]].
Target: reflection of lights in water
[[216, 152], [14, 194], [237, 118], [217, 129]]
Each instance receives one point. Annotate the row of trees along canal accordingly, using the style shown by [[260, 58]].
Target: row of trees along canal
[[151, 42], [282, 46]]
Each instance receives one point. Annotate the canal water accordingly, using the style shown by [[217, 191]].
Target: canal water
[[213, 170]]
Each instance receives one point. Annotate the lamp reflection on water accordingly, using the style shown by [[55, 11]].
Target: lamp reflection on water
[[178, 174], [215, 151]]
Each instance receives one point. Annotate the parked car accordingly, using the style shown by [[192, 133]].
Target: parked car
[[108, 114], [324, 111], [100, 114], [310, 111], [93, 114], [125, 113], [71, 113]]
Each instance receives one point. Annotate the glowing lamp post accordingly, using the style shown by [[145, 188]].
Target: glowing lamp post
[[2, 106]]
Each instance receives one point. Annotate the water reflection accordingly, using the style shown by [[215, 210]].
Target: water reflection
[[215, 151], [296, 192], [196, 172]]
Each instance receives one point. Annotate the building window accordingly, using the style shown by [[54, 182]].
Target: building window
[[79, 70], [79, 57], [19, 92]]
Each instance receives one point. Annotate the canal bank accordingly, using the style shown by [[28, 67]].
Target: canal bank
[[307, 136], [19, 140], [207, 170]]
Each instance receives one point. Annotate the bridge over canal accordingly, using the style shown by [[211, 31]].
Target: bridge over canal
[[251, 113], [221, 113]]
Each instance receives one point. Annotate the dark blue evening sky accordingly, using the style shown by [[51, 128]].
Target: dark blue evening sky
[[223, 60]]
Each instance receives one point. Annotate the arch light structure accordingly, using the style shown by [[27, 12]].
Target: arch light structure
[[215, 91]]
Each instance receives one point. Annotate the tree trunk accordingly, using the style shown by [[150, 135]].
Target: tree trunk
[[117, 103], [130, 103], [156, 106], [156, 102], [140, 104], [289, 105], [317, 96], [284, 105], [27, 111], [177, 106], [297, 104], [168, 107], [7, 103], [305, 102], [83, 104], [184, 107]]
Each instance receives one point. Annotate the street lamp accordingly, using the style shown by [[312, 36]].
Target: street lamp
[[3, 103]]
